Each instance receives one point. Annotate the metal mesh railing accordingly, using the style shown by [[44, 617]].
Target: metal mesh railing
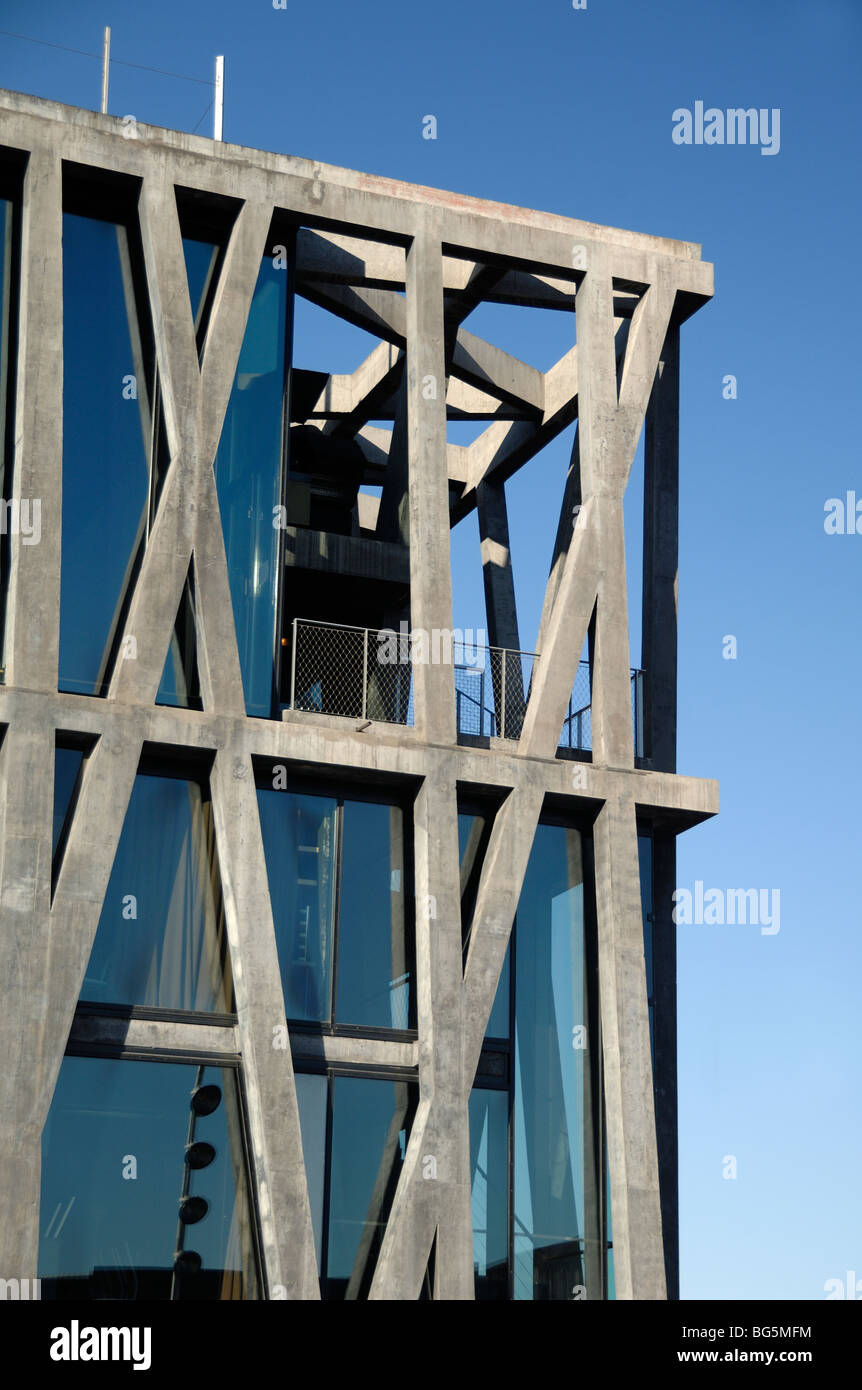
[[577, 725], [491, 694], [367, 673], [352, 671]]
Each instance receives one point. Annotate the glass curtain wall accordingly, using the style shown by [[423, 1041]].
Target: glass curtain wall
[[144, 1194], [248, 470], [115, 458], [354, 1138], [161, 939], [536, 1140], [106, 446], [336, 870]]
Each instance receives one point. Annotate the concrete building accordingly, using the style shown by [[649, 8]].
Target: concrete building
[[336, 956]]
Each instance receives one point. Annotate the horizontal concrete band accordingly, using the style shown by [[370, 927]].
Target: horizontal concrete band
[[327, 193], [305, 741]]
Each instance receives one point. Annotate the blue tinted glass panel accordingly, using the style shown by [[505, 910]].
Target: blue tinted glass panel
[[67, 763], [489, 1178], [106, 432], [370, 1126], [161, 939], [373, 980], [179, 685], [645, 865], [550, 1149], [470, 832], [299, 845], [248, 474], [113, 1174], [200, 258]]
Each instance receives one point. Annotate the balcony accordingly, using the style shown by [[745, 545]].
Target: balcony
[[366, 673]]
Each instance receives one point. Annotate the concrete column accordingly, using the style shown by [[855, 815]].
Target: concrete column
[[610, 669], [497, 572], [26, 795], [430, 576], [632, 1158], [33, 604], [393, 521], [286, 1230], [665, 1038], [434, 1187], [506, 671]]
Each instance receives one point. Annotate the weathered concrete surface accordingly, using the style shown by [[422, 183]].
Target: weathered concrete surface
[[45, 944]]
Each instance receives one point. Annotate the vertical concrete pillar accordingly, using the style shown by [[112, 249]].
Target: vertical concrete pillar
[[434, 1187], [430, 575], [632, 1158], [33, 605], [286, 1231], [26, 789], [665, 1041]]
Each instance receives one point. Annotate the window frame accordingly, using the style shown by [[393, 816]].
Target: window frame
[[195, 766], [551, 815], [332, 1071], [230, 1062], [381, 794]]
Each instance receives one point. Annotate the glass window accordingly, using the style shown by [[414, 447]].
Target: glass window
[[352, 1177], [141, 1160], [299, 844], [336, 878], [67, 765], [473, 832], [161, 936], [373, 977], [106, 443], [248, 478], [556, 1226], [200, 258], [489, 1177]]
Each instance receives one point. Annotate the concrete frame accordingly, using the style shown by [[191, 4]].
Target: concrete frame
[[363, 238]]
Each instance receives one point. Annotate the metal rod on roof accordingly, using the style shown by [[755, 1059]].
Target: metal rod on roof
[[106, 63], [218, 118]]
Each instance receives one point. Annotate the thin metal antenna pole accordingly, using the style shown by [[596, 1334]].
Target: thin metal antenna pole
[[218, 117], [106, 64]]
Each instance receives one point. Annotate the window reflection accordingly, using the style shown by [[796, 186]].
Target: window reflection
[[114, 1171], [353, 1174], [106, 443], [489, 1175], [161, 935], [67, 765], [248, 478], [299, 844], [336, 878], [473, 833], [557, 1237], [373, 974]]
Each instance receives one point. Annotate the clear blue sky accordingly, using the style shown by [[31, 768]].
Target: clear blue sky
[[570, 111]]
